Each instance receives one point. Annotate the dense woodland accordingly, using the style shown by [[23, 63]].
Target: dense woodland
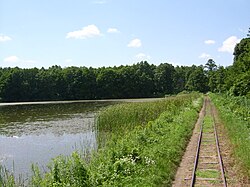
[[136, 81]]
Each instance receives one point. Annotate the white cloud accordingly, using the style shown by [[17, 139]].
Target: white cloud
[[229, 44], [68, 60], [11, 59], [209, 42], [113, 30], [135, 43], [142, 56], [4, 38], [205, 56], [86, 32]]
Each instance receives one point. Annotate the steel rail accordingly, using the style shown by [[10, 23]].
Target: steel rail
[[198, 146], [193, 179], [218, 152]]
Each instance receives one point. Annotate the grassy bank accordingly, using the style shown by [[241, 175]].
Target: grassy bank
[[148, 155], [235, 113], [122, 118], [154, 138]]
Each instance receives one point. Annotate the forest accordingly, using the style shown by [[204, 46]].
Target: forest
[[140, 80]]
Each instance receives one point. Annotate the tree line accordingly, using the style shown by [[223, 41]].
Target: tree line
[[140, 80]]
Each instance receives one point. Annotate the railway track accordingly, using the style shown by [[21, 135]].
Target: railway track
[[208, 167]]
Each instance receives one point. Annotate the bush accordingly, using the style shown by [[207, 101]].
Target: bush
[[235, 113]]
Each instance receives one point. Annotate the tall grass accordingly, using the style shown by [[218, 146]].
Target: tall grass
[[235, 113], [147, 154], [7, 179], [122, 118]]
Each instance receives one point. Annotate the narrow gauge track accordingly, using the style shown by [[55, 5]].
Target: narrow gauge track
[[208, 167]]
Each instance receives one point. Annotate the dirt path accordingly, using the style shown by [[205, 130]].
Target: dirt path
[[185, 169], [184, 172]]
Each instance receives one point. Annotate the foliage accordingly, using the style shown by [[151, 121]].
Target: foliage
[[147, 155], [125, 117], [240, 71], [63, 171], [235, 113], [197, 81], [242, 85], [7, 179], [164, 78], [136, 81]]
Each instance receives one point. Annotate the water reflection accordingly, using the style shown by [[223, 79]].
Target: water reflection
[[37, 133], [71, 124], [17, 153]]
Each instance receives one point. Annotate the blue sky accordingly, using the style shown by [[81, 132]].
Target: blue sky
[[100, 33]]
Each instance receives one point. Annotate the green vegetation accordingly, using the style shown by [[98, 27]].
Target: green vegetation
[[6, 179], [145, 141], [213, 174], [208, 123], [148, 154], [235, 114], [121, 118], [208, 173], [140, 80], [208, 127]]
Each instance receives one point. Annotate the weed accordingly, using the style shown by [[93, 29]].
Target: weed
[[235, 113], [145, 144], [208, 173]]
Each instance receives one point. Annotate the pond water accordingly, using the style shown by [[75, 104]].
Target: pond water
[[39, 132]]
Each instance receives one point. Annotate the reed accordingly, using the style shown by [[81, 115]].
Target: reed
[[122, 118], [142, 150], [148, 156], [7, 179]]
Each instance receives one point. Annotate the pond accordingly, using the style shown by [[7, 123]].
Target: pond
[[36, 133]]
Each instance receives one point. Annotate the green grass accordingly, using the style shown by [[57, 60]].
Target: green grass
[[214, 174], [8, 179], [144, 148], [208, 124], [235, 114], [147, 156], [122, 118], [208, 173]]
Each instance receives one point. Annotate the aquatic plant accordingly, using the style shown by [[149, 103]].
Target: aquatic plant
[[146, 154], [122, 118]]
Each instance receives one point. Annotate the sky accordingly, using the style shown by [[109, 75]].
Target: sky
[[97, 33]]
